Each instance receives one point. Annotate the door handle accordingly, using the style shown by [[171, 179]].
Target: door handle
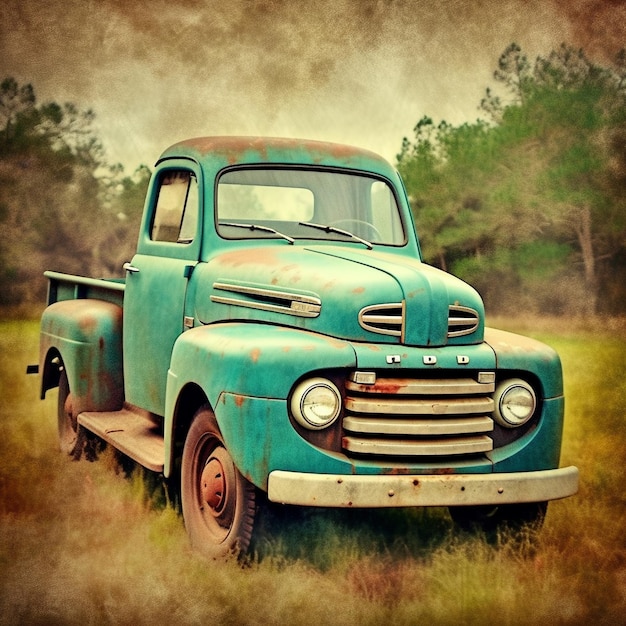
[[130, 268]]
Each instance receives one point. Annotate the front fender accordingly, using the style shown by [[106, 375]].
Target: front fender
[[245, 360], [518, 353]]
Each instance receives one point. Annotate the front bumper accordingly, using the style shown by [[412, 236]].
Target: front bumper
[[359, 491]]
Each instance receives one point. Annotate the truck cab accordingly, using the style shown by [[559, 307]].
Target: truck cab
[[278, 336]]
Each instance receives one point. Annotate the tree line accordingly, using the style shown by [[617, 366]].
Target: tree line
[[62, 205], [526, 203]]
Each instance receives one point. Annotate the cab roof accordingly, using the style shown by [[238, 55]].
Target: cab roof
[[223, 151]]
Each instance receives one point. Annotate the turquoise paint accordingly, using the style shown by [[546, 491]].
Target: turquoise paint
[[153, 320], [373, 356], [515, 353], [253, 359]]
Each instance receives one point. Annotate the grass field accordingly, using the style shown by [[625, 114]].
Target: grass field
[[84, 543]]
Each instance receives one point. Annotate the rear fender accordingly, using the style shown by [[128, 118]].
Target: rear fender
[[85, 337]]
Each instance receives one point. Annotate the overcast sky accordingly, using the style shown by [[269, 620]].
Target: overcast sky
[[353, 71]]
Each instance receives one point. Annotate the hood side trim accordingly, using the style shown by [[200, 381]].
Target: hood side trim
[[267, 299]]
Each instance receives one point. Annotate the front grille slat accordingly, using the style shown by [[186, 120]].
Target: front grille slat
[[418, 417], [425, 427], [434, 406], [438, 447]]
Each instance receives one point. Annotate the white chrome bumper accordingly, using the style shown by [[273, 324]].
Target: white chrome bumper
[[367, 491]]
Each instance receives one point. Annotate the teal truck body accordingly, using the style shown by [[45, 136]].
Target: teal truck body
[[278, 336]]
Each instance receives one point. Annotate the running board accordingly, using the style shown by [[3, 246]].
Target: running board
[[133, 432]]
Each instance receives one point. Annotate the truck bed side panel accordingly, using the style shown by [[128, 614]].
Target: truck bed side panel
[[70, 287]]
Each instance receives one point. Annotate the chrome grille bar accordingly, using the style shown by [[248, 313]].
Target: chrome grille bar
[[434, 447], [426, 427], [462, 321]]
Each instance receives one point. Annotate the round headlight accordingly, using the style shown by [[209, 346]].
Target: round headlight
[[515, 403], [316, 403]]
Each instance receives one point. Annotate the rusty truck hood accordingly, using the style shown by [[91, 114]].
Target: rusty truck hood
[[340, 291]]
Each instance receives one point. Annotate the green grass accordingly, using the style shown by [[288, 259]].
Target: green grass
[[84, 543]]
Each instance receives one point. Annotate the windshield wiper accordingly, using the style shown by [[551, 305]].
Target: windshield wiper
[[266, 229], [339, 231]]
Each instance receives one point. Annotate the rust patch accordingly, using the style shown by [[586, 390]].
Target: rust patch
[[87, 323], [235, 149], [255, 354], [384, 386], [358, 290], [239, 400], [237, 258], [398, 471], [415, 294], [372, 347]]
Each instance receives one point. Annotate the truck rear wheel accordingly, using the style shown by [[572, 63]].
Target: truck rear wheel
[[218, 502], [66, 420]]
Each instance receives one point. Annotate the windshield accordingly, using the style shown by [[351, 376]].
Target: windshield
[[307, 204]]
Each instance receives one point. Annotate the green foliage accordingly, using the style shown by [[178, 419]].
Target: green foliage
[[61, 205], [547, 172]]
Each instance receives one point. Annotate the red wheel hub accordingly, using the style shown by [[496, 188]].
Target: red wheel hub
[[213, 484]]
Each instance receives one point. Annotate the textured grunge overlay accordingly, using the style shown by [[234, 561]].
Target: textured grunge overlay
[[357, 71]]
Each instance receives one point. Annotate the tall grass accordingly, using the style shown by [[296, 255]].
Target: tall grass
[[86, 543]]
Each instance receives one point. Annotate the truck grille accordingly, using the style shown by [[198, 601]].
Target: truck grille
[[399, 417], [389, 319]]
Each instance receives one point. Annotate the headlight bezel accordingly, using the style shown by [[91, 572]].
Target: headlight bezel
[[515, 403], [324, 404]]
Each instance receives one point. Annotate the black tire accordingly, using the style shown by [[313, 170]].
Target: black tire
[[219, 504], [507, 520], [67, 426]]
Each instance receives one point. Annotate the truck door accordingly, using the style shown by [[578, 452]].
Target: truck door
[[157, 279]]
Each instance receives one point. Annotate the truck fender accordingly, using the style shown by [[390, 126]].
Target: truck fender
[[244, 360], [85, 337]]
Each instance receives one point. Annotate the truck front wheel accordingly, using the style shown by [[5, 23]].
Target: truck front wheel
[[218, 502]]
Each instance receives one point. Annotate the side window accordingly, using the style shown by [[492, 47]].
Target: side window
[[176, 212]]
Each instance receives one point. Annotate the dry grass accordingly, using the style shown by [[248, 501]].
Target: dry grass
[[84, 543]]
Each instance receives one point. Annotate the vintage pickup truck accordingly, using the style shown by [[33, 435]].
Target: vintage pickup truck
[[278, 337]]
